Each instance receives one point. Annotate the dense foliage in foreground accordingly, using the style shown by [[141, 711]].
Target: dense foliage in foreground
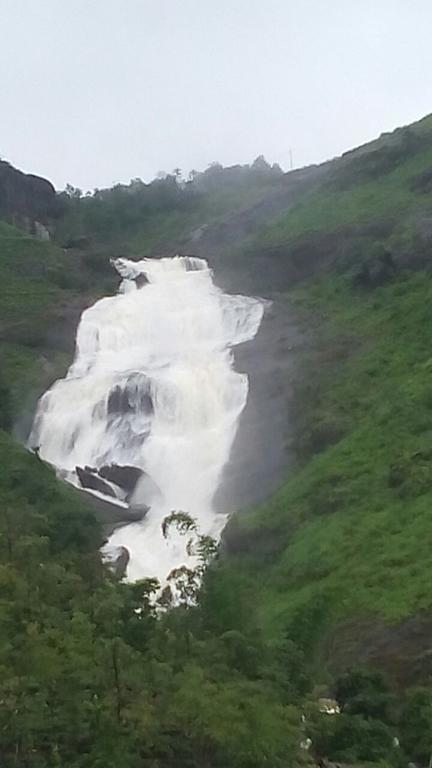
[[90, 676]]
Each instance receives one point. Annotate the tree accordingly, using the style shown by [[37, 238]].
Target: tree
[[362, 692], [349, 738], [73, 192], [261, 164], [416, 725], [184, 582]]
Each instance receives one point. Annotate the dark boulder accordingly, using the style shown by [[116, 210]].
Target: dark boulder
[[93, 482], [131, 397], [117, 559], [126, 477], [146, 404], [141, 280], [111, 515], [137, 512], [118, 401], [24, 196]]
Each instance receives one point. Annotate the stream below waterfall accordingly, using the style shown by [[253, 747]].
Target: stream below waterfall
[[148, 411]]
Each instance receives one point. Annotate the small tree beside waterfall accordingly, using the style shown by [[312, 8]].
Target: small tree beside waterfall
[[184, 582]]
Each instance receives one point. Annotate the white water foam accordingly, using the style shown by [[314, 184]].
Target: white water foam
[[153, 386]]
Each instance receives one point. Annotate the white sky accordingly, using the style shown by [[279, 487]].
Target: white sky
[[99, 91]]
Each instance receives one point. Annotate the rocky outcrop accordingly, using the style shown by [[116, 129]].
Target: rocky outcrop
[[118, 401], [24, 197], [117, 559], [131, 397], [126, 477], [90, 479], [401, 651], [141, 281], [137, 512], [109, 514]]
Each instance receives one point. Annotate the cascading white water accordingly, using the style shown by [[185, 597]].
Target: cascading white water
[[153, 387]]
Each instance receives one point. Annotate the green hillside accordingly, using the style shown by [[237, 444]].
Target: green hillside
[[383, 181], [352, 523], [326, 591], [350, 527]]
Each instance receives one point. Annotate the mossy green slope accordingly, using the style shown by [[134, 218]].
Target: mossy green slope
[[386, 179], [355, 520], [39, 283], [348, 535]]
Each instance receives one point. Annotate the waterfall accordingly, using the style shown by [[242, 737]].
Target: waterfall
[[148, 411]]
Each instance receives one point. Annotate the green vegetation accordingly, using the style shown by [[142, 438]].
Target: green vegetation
[[89, 677], [362, 189], [350, 528], [332, 568], [38, 282], [353, 523], [138, 218], [92, 677]]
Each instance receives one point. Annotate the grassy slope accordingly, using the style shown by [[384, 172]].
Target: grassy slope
[[31, 292], [38, 283], [213, 207], [25, 482], [348, 535], [355, 519], [391, 195], [27, 294]]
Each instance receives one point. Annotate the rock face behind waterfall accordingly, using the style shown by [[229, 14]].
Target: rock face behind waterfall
[[134, 395]]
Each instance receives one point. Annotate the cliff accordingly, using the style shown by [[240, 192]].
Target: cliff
[[26, 198]]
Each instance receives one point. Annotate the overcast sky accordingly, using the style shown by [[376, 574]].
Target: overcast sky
[[99, 91]]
